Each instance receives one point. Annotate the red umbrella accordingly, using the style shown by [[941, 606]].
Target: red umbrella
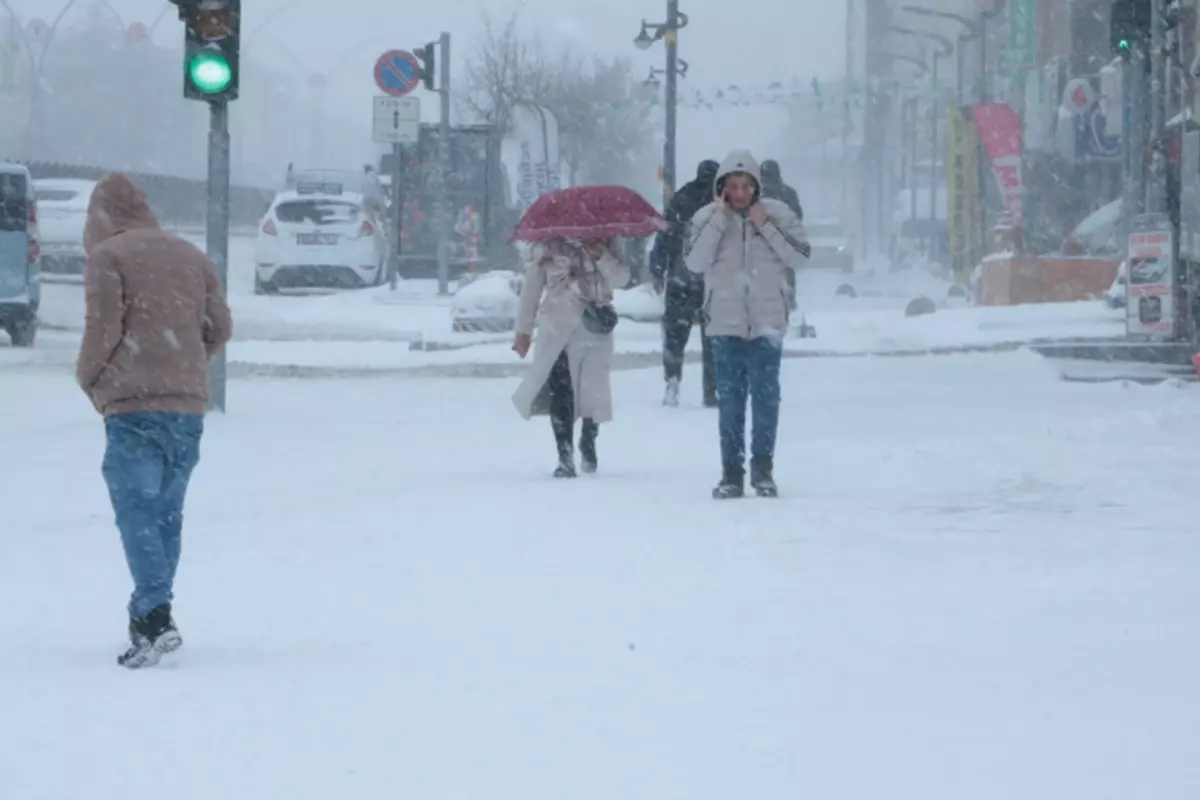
[[589, 212]]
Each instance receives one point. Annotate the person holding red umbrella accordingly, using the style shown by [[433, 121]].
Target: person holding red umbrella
[[568, 291], [570, 274], [745, 245]]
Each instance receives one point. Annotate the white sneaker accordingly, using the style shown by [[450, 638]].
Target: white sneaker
[[671, 397]]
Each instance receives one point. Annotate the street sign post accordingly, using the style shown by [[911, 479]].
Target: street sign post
[[397, 120], [397, 72]]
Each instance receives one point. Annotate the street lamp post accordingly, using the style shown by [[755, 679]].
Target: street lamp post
[[669, 32], [912, 122], [976, 31], [33, 126], [946, 49]]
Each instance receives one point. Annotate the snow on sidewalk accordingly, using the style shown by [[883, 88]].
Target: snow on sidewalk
[[980, 583]]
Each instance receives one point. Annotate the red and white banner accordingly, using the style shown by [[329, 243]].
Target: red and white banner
[[1000, 131]]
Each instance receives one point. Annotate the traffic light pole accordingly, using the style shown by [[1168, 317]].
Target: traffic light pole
[[444, 222], [1156, 197], [217, 232]]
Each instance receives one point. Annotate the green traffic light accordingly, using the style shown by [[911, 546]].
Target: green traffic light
[[210, 73], [1123, 44]]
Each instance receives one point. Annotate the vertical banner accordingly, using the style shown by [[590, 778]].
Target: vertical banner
[[1151, 305], [1022, 38], [1000, 131]]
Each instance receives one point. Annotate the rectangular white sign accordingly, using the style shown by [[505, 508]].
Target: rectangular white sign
[[1151, 298], [397, 120]]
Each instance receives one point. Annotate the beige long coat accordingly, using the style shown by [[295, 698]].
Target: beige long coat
[[559, 281]]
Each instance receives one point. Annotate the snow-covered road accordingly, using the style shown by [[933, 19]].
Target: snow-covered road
[[981, 583]]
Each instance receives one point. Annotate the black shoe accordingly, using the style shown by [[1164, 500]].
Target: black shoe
[[710, 401], [762, 477], [731, 487], [587, 447], [150, 639]]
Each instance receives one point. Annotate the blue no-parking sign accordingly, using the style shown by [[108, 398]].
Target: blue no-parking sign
[[397, 72]]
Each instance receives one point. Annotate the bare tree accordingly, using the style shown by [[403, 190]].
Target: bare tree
[[603, 124], [506, 70]]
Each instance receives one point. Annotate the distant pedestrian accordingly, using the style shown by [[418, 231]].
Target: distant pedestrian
[[574, 350], [155, 316], [744, 245], [774, 188], [683, 290]]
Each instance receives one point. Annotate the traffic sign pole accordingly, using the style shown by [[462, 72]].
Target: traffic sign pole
[[397, 214], [397, 73]]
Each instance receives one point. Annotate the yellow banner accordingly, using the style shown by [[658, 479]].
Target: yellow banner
[[962, 194]]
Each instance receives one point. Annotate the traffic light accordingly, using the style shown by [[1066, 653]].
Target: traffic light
[[1129, 26], [426, 56], [211, 44]]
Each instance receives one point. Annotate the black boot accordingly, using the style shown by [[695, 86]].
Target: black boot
[[151, 637], [762, 477], [732, 485], [587, 446], [566, 459]]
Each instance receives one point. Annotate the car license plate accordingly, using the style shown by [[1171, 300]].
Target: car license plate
[[316, 238]]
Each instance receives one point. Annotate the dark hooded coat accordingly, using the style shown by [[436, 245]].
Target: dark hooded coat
[[666, 258], [774, 188]]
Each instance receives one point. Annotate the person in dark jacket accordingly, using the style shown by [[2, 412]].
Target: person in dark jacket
[[773, 188], [684, 291]]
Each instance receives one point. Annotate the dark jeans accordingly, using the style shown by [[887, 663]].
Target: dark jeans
[[683, 306], [747, 368], [147, 464], [562, 409]]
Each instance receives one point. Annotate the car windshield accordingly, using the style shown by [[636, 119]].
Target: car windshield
[[318, 212], [14, 211], [56, 195]]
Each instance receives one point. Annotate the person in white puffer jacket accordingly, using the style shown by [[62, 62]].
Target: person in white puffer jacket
[[745, 245]]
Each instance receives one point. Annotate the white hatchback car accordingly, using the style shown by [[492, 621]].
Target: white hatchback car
[[319, 236], [63, 204]]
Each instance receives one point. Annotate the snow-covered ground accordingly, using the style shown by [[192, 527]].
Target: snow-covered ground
[[377, 329], [980, 582]]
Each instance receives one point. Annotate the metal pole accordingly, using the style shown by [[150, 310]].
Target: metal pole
[[1129, 189], [1156, 200], [958, 80], [1137, 133], [672, 39], [983, 59], [915, 121], [397, 214], [933, 161], [217, 229], [444, 225]]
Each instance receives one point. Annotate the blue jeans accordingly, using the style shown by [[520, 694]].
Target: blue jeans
[[747, 368], [147, 464]]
